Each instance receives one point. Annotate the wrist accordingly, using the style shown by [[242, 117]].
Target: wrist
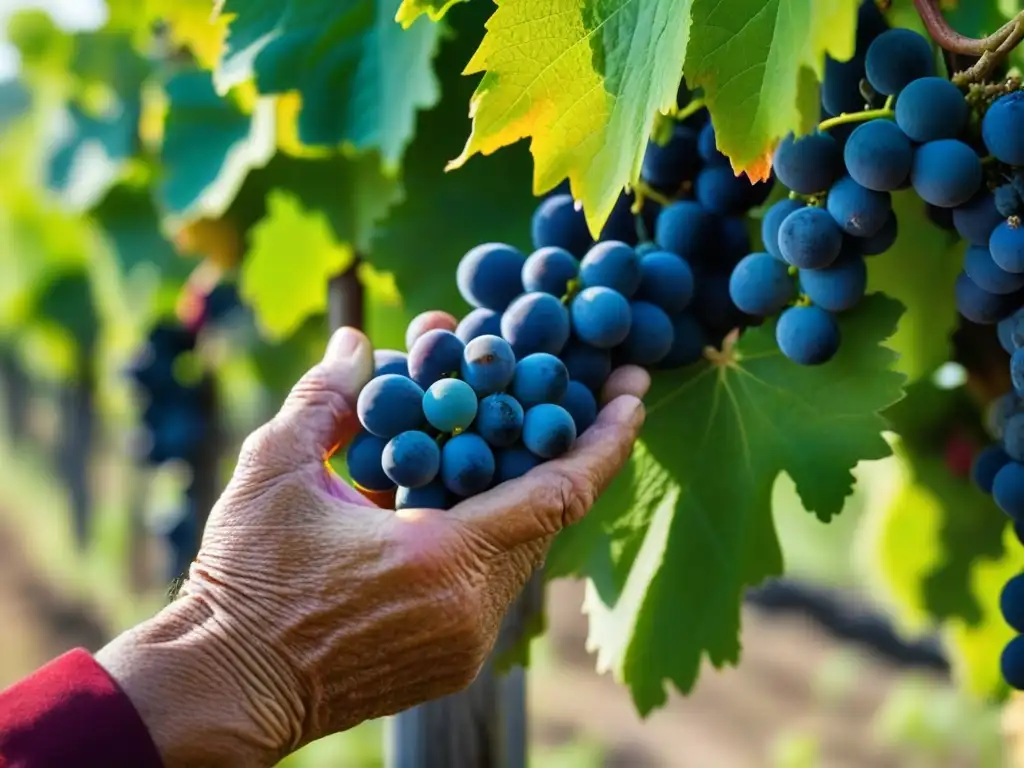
[[207, 695]]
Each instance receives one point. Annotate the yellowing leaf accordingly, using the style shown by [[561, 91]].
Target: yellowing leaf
[[759, 62], [284, 275], [410, 10], [584, 80], [192, 23]]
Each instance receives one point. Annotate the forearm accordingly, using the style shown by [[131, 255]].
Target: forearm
[[206, 697]]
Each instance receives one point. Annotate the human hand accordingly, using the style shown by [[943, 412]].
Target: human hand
[[309, 610]]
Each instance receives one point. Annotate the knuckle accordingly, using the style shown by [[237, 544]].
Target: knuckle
[[574, 496]]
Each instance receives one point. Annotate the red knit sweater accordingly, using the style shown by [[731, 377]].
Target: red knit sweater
[[71, 714]]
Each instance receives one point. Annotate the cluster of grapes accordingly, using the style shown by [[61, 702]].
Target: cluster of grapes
[[485, 400]]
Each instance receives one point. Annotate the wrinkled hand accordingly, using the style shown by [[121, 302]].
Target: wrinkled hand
[[309, 609]]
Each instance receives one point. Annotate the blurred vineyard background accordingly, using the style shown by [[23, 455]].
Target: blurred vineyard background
[[131, 196]]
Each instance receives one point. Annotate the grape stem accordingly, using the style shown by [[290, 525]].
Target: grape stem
[[885, 113], [991, 49], [695, 106]]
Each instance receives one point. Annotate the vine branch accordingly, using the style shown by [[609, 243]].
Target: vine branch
[[991, 49]]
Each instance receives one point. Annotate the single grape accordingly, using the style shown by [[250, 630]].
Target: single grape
[[685, 229], [411, 459], [1002, 128], [1007, 247], [1007, 201], [987, 275], [986, 464], [581, 405], [1008, 489], [896, 58], [707, 146], [601, 317], [479, 322], [650, 334], [488, 364], [840, 88], [999, 411], [489, 275], [771, 222], [810, 239], [365, 462], [390, 361], [1011, 602], [666, 280], [557, 223], [808, 164], [881, 241], [433, 495], [1017, 373], [878, 156], [1011, 663], [946, 173], [467, 465], [721, 191], [978, 305], [761, 285], [975, 219], [389, 405], [611, 265], [858, 211], [807, 335], [588, 365], [499, 420], [549, 270], [931, 108], [536, 322], [1011, 332], [436, 355], [428, 321], [540, 378], [449, 405], [548, 431], [688, 342], [836, 288], [735, 240], [666, 168], [514, 463]]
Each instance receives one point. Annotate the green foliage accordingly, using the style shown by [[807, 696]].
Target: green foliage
[[919, 270], [410, 10], [360, 76], [128, 217], [695, 507], [210, 144], [576, 89], [302, 278], [757, 63], [66, 300]]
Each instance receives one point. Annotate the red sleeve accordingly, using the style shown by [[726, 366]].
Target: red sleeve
[[71, 713]]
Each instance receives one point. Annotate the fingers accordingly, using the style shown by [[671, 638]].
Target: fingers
[[627, 380], [559, 492], [428, 321], [319, 414]]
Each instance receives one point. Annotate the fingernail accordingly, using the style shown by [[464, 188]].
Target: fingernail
[[639, 413], [345, 344]]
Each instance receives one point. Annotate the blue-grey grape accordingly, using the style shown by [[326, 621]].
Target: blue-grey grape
[[411, 459], [548, 430], [499, 420], [488, 364]]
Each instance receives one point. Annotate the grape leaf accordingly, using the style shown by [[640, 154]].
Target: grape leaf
[[410, 10], [444, 215], [210, 145], [188, 23], [283, 292], [920, 270], [360, 76], [129, 219], [583, 79], [910, 555], [67, 301], [694, 525], [758, 63]]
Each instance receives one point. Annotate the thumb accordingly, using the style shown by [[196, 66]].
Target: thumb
[[319, 414]]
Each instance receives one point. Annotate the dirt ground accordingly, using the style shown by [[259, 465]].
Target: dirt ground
[[731, 721]]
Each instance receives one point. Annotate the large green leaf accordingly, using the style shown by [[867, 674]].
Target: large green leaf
[[361, 77], [210, 146], [758, 62], [692, 524], [129, 219], [293, 255], [583, 79], [920, 270], [444, 215]]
